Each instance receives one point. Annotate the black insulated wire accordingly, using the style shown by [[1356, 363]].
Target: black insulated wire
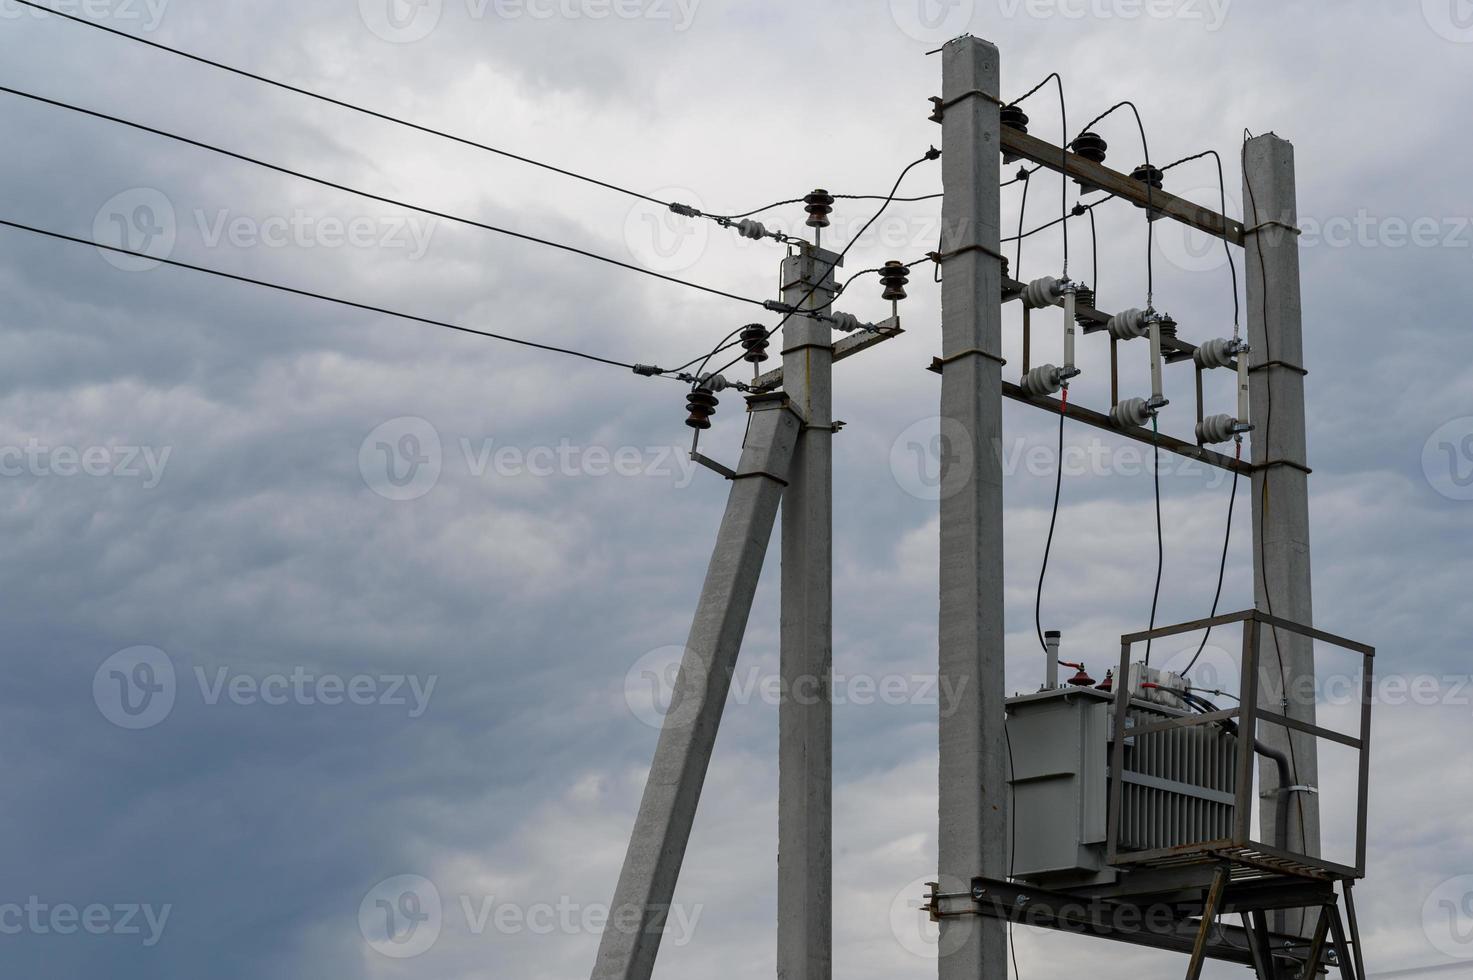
[[377, 197], [318, 296], [199, 59]]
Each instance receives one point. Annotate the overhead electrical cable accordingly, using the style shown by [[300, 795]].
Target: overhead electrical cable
[[318, 296], [378, 197]]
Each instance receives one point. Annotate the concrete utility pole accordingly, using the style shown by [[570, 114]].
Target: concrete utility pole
[[1280, 484], [646, 887], [805, 754], [972, 836]]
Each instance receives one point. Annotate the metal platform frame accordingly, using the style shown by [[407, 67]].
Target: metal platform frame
[[1176, 898]]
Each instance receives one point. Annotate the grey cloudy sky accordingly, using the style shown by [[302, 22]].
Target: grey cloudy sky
[[448, 679]]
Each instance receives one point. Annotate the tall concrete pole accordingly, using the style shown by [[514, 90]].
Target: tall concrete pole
[[631, 939], [1280, 487], [805, 752], [972, 836]]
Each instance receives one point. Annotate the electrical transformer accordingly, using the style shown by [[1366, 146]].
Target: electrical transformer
[[1179, 787]]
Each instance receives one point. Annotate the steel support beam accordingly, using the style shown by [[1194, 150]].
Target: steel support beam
[[805, 714], [1281, 561], [646, 887], [972, 837]]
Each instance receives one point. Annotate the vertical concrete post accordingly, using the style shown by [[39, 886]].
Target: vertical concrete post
[[646, 886], [1281, 567], [972, 836], [805, 753]]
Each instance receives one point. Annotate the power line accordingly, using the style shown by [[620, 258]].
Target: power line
[[318, 296], [344, 105], [377, 197]]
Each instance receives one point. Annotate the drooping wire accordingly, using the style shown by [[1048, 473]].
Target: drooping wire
[[1052, 521], [1227, 538], [1226, 246], [1150, 225], [930, 154], [317, 296], [1063, 153], [377, 197], [1022, 210], [1160, 538], [341, 104]]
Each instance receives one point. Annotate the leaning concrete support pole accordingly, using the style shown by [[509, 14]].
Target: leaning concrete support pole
[[805, 743], [973, 801], [661, 831], [1280, 486]]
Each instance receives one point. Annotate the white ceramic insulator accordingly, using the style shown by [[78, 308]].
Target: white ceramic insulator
[[715, 382], [1216, 428], [1042, 292], [1042, 380], [1132, 411], [1128, 325], [748, 228], [847, 322], [1215, 353]]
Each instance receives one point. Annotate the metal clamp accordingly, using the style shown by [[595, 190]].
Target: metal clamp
[[939, 257], [1269, 794], [1279, 364], [939, 112], [1272, 223], [937, 363]]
